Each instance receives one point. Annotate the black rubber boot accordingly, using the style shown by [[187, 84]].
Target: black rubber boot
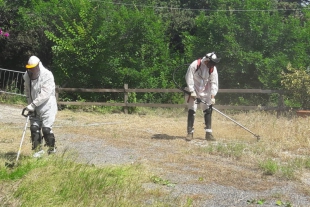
[[190, 124], [208, 121], [209, 137]]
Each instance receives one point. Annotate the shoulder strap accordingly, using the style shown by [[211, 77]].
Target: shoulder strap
[[211, 70], [198, 64]]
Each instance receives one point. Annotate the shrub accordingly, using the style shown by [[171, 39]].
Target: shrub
[[297, 84]]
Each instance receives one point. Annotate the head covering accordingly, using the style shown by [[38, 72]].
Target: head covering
[[33, 62], [212, 57], [33, 67]]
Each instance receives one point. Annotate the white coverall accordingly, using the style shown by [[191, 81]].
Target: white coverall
[[202, 83], [41, 92]]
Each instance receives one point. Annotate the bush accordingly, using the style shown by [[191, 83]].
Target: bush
[[297, 84]]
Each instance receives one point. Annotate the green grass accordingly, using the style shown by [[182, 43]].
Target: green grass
[[12, 99], [57, 181], [284, 169], [226, 150], [19, 171]]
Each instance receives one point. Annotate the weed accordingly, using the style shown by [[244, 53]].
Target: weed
[[61, 182], [255, 201], [285, 204], [226, 150], [12, 99], [287, 171], [269, 166], [160, 181]]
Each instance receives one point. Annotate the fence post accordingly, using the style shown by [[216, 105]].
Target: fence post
[[280, 104], [186, 96], [125, 98], [57, 92], [57, 96]]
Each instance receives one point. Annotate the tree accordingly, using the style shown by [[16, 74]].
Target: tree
[[106, 46], [26, 21], [297, 84]]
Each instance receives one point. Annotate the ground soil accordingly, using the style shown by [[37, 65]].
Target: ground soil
[[157, 141]]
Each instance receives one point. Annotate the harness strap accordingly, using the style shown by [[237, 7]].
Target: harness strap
[[199, 64]]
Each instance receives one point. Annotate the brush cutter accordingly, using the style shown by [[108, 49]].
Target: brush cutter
[[198, 100], [23, 136]]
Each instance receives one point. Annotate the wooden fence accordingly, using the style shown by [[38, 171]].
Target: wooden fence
[[126, 90]]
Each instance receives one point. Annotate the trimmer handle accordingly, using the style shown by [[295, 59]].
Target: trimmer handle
[[30, 113], [198, 101]]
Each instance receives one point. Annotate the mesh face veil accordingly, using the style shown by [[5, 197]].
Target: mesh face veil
[[33, 67], [34, 73]]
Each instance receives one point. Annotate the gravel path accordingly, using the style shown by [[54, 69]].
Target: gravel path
[[189, 177]]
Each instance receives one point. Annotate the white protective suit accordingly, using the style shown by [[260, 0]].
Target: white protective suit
[[41, 92], [202, 83]]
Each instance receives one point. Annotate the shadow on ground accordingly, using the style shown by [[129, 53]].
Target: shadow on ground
[[169, 137], [166, 137]]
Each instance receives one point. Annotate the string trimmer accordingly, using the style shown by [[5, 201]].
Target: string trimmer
[[28, 115]]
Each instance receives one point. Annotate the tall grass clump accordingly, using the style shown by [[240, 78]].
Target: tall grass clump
[[20, 170], [55, 181], [269, 166], [226, 150], [12, 99]]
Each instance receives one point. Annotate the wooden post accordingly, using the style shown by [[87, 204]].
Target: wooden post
[[186, 98], [57, 95], [280, 104], [57, 92], [125, 98]]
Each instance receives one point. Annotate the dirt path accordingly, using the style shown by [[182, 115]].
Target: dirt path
[[158, 143]]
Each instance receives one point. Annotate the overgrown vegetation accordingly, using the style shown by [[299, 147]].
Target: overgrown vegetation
[[103, 44], [297, 84], [157, 135], [57, 181], [12, 99]]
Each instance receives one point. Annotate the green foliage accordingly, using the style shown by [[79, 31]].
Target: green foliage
[[12, 99], [77, 46], [255, 46], [160, 181], [281, 203], [297, 83], [21, 170], [26, 32], [227, 150], [99, 44], [58, 181], [110, 45], [254, 201], [269, 167]]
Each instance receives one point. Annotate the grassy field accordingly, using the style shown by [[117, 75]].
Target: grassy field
[[236, 159]]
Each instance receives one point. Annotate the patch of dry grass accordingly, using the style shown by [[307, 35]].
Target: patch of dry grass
[[158, 136]]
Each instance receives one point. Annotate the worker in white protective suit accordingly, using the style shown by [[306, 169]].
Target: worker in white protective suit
[[202, 83], [40, 92]]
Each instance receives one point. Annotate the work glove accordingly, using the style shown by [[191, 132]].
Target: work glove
[[31, 107], [212, 101], [193, 94]]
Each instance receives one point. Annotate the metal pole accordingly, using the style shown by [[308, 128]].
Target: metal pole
[[21, 142], [257, 136]]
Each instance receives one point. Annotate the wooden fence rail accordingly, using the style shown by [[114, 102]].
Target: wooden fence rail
[[126, 90]]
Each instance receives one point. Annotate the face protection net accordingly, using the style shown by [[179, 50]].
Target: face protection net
[[34, 72]]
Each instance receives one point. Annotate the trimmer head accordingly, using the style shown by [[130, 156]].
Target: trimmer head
[[9, 165]]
